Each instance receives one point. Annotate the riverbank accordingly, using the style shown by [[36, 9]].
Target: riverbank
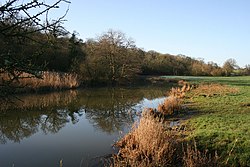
[[48, 81], [222, 123], [211, 128], [42, 82]]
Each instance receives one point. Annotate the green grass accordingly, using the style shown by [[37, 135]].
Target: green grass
[[222, 123]]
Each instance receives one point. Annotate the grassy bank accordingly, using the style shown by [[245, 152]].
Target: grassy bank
[[222, 122], [215, 133]]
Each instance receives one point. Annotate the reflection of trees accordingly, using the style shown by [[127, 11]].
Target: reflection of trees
[[106, 109], [41, 101], [151, 93], [53, 121], [27, 115], [17, 125], [111, 109], [109, 121], [117, 98]]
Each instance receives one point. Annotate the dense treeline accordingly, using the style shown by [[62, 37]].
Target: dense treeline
[[166, 64], [44, 50], [111, 58]]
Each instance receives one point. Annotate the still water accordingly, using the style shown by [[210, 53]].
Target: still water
[[76, 127]]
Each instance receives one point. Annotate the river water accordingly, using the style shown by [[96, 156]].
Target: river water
[[76, 127]]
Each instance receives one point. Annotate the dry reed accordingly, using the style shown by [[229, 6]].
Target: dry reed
[[48, 81], [151, 144], [148, 144], [185, 86], [192, 157], [171, 106], [176, 92]]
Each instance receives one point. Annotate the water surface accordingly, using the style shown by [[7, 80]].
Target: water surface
[[77, 127]]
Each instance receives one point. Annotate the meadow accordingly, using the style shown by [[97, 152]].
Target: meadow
[[221, 122]]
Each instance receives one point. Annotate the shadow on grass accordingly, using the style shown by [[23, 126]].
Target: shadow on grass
[[231, 144]]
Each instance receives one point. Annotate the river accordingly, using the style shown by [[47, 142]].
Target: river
[[76, 127]]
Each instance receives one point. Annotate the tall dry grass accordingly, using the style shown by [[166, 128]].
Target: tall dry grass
[[152, 143], [170, 106], [209, 90], [176, 92], [192, 157], [148, 144], [48, 81]]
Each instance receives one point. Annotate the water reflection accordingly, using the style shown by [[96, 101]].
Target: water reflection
[[17, 125], [108, 110]]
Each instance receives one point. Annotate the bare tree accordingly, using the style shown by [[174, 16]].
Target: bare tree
[[20, 24], [229, 66], [247, 69], [112, 58]]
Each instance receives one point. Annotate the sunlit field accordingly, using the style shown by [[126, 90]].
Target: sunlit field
[[221, 122]]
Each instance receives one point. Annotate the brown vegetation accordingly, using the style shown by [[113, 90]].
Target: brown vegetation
[[40, 101], [47, 81], [148, 144], [192, 157], [172, 104], [152, 142], [160, 80], [209, 90]]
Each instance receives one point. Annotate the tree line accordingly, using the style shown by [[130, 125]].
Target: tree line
[[110, 58], [28, 45]]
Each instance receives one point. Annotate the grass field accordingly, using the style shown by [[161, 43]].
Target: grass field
[[222, 123]]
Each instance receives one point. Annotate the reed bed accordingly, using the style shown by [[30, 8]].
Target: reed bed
[[148, 144], [48, 81]]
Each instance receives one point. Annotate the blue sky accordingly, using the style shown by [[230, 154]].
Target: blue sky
[[211, 29]]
